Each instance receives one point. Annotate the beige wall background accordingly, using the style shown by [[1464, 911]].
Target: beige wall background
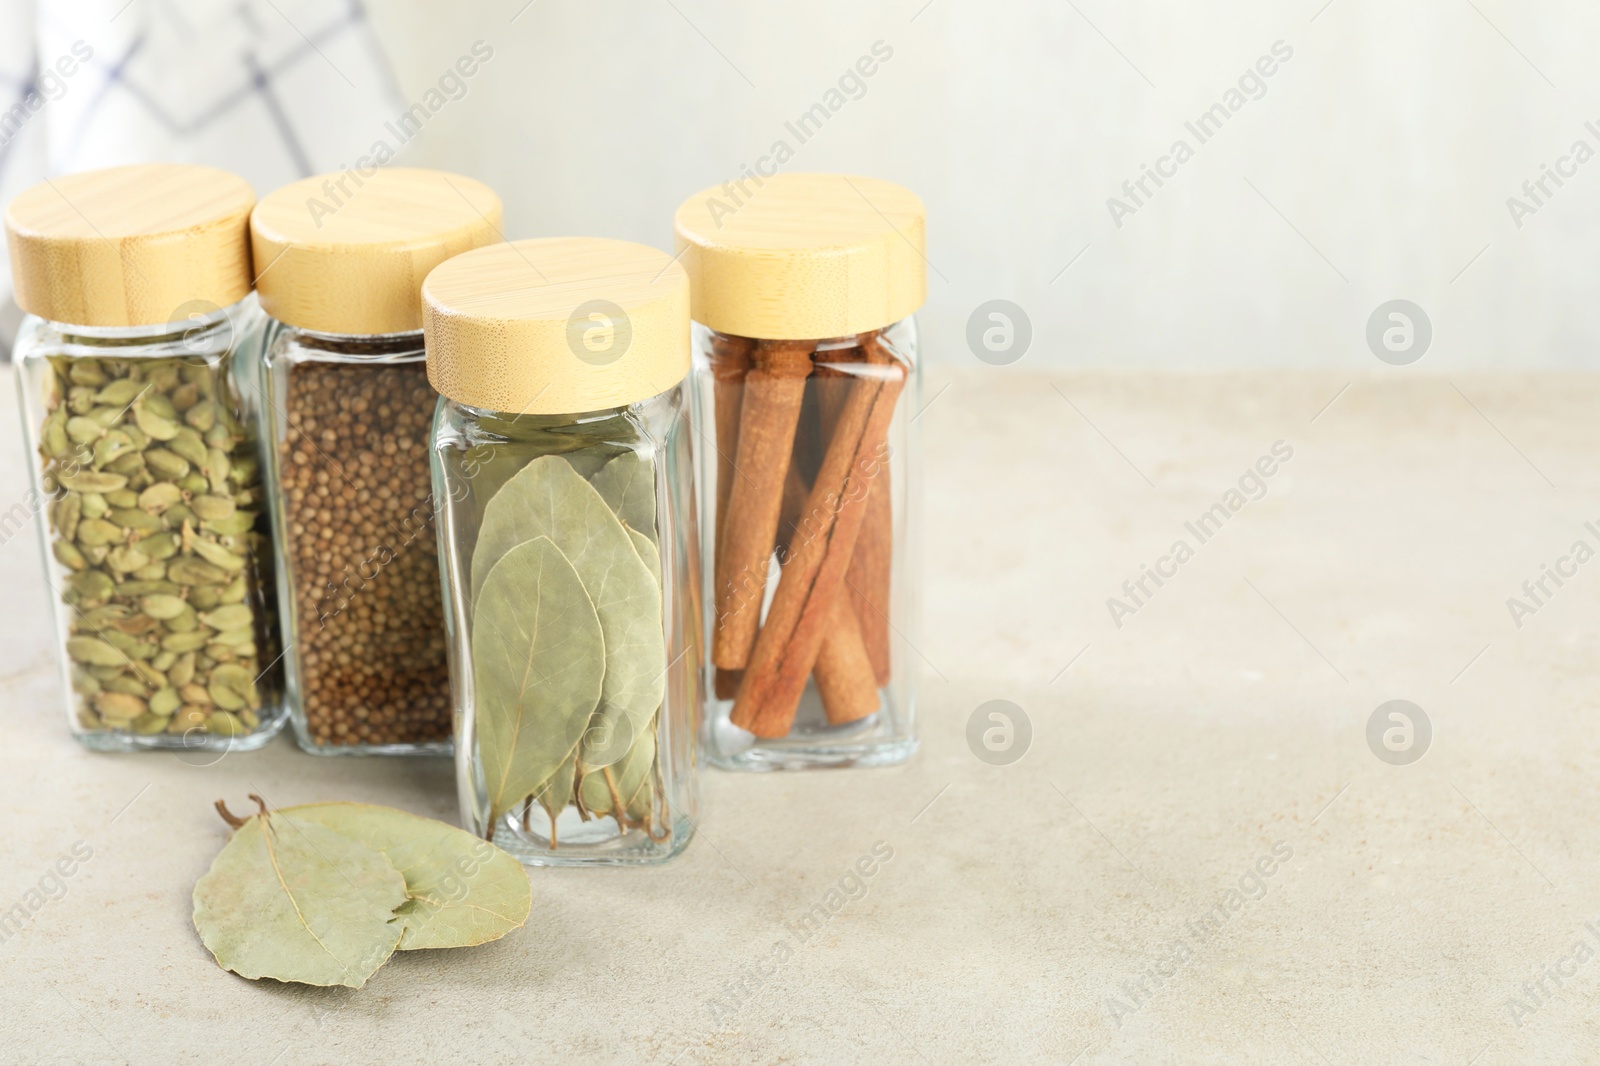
[[1377, 165]]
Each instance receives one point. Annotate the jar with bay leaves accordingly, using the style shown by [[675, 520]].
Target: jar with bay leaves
[[137, 403], [347, 421], [561, 460], [806, 370]]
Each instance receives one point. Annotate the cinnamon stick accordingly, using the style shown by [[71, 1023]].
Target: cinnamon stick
[[730, 362], [868, 578], [726, 683], [843, 672], [795, 490], [773, 390], [869, 574], [786, 649]]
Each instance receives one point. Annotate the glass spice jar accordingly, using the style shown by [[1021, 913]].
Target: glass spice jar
[[561, 458], [805, 367], [135, 401], [348, 412]]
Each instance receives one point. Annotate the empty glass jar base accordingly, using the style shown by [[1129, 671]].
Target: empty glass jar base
[[596, 842], [209, 744], [812, 742]]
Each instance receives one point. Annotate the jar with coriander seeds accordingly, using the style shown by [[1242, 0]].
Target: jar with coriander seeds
[[347, 418], [807, 373], [143, 426], [561, 460]]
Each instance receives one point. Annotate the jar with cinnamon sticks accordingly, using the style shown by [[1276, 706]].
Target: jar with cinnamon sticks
[[348, 411], [805, 371]]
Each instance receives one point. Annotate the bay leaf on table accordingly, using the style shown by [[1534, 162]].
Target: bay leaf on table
[[547, 498], [295, 901], [463, 890], [538, 660], [628, 485]]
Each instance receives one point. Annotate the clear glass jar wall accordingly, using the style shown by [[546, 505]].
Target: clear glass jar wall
[[568, 546], [808, 658], [147, 487], [353, 512]]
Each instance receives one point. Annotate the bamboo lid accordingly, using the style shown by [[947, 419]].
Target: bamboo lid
[[559, 325], [346, 253], [803, 256], [130, 246]]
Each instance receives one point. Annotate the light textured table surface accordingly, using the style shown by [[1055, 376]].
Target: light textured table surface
[[1024, 903]]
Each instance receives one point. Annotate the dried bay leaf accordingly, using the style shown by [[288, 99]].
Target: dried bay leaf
[[547, 498], [556, 794], [295, 901], [538, 661], [631, 775], [628, 485], [463, 890], [647, 552]]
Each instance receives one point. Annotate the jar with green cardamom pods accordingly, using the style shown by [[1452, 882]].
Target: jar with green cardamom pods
[[141, 421], [561, 467]]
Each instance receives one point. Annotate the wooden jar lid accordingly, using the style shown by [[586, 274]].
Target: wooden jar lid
[[130, 246], [346, 252], [803, 256], [559, 325]]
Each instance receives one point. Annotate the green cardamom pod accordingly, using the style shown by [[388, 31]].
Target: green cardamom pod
[[182, 671], [167, 464], [188, 446], [165, 701], [155, 425], [92, 531], [224, 724], [234, 524], [181, 642], [127, 559], [92, 651], [202, 416], [159, 405], [65, 513], [185, 621], [86, 372], [119, 705], [129, 464], [120, 393], [148, 724], [140, 521], [212, 508], [89, 588], [160, 496], [93, 481], [68, 555], [82, 429], [162, 606], [130, 685], [232, 616], [217, 555], [149, 588]]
